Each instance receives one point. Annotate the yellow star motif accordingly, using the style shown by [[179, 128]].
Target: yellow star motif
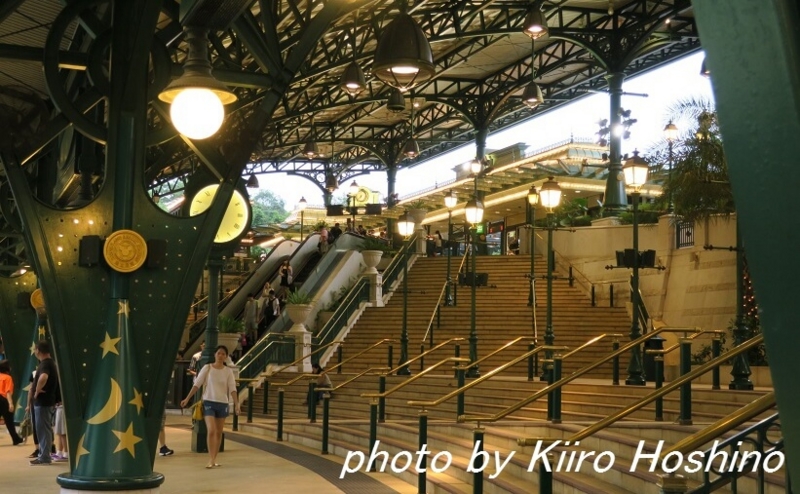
[[110, 345], [81, 452], [42, 333], [19, 402], [33, 347], [127, 440], [137, 400], [123, 307]]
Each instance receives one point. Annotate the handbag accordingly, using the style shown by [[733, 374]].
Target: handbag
[[197, 412], [25, 427]]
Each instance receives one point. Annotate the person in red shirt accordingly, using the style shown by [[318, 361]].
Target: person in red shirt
[[7, 401]]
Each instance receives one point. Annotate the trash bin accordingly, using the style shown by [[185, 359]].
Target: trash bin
[[649, 359]]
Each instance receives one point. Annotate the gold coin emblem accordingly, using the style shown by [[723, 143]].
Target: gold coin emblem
[[125, 251], [37, 299]]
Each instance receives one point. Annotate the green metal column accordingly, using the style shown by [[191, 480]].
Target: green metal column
[[404, 370], [531, 220], [635, 371], [763, 176], [448, 296], [615, 187], [549, 335], [473, 328], [391, 180], [741, 367]]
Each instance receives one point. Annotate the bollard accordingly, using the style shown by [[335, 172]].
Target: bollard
[[389, 357], [235, 421], [373, 427], [615, 364], [686, 389], [422, 463], [280, 414], [382, 399], [557, 365], [422, 359], [611, 295], [659, 383], [546, 475], [265, 405], [312, 402], [460, 372], [455, 294], [325, 417], [339, 359], [531, 370], [716, 349], [438, 319], [250, 400], [593, 299], [571, 279], [550, 376], [477, 478], [457, 353]]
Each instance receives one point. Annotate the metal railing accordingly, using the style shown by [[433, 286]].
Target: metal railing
[[684, 234], [341, 317], [393, 270], [437, 309], [271, 348]]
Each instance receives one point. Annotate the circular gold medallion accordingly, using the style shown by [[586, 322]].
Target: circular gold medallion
[[37, 299], [125, 251]]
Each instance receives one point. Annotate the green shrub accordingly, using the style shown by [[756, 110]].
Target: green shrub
[[299, 297]]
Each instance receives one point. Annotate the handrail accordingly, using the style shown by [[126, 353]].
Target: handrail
[[439, 300], [535, 396], [414, 378], [677, 345], [362, 352], [503, 347], [391, 273], [698, 371], [484, 377], [323, 347], [723, 425], [591, 342], [360, 374], [354, 296], [421, 355], [266, 337]]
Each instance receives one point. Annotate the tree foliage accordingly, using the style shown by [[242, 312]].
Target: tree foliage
[[698, 184], [268, 209]]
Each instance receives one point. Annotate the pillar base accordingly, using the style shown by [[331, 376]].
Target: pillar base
[[375, 289], [133, 485], [672, 484]]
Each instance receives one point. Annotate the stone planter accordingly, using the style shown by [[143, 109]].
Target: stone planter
[[299, 315], [371, 259], [418, 215], [230, 340]]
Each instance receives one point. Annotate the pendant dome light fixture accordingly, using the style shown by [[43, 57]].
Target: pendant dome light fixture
[[196, 98], [532, 96], [311, 150], [403, 57], [411, 149], [535, 22], [397, 102], [353, 81]]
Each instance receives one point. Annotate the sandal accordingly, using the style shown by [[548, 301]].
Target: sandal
[[210, 465]]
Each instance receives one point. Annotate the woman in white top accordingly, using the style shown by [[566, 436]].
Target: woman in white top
[[220, 386]]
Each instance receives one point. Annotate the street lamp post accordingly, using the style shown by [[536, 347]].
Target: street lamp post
[[474, 214], [302, 207], [671, 134], [635, 171], [352, 197], [533, 200], [550, 197], [450, 201], [405, 227]]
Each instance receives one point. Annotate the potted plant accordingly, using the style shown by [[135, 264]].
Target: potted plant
[[417, 211], [230, 331], [372, 250], [299, 305]]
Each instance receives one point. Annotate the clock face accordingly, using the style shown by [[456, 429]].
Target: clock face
[[236, 216]]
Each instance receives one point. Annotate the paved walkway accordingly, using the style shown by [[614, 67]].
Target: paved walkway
[[250, 464]]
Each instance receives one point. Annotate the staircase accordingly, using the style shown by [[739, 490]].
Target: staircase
[[502, 314]]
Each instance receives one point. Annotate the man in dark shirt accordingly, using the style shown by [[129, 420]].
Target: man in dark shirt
[[336, 232], [43, 398]]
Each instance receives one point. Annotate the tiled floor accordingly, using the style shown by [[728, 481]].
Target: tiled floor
[[250, 465]]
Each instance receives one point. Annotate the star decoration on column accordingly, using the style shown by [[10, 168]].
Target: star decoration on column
[[42, 333], [109, 345], [137, 400], [127, 440], [81, 451], [27, 389], [33, 348], [123, 308]]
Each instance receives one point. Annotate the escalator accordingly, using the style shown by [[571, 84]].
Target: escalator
[[317, 276]]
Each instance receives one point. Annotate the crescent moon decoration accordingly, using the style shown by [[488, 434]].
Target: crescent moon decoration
[[111, 407]]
